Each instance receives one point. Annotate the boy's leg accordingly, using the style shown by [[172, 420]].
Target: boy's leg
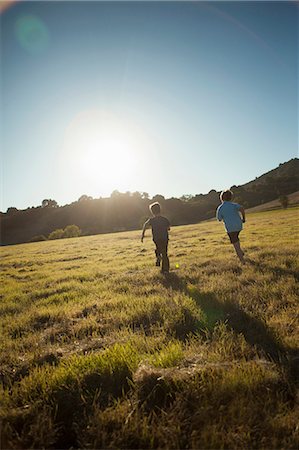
[[165, 259], [158, 255], [239, 251], [234, 238]]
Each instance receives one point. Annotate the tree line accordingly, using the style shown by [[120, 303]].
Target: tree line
[[128, 211]]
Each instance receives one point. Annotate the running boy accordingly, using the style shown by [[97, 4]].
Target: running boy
[[233, 215], [160, 226]]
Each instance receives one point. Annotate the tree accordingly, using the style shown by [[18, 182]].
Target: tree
[[137, 195], [186, 197], [284, 201], [115, 194], [71, 231], [11, 211], [158, 198], [38, 238], [84, 197], [67, 232], [49, 203], [56, 234]]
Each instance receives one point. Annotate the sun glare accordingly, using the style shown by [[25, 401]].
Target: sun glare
[[102, 149]]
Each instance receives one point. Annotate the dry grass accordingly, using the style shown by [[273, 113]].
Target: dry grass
[[99, 350]]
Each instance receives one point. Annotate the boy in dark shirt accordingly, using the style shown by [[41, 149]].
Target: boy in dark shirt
[[160, 226]]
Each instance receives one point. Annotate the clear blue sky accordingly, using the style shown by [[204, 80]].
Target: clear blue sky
[[191, 96]]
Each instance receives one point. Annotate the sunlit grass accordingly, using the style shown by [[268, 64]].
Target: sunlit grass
[[99, 349]]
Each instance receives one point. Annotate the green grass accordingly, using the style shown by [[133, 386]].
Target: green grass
[[99, 350]]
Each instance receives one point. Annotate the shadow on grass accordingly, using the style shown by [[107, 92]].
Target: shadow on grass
[[278, 271], [254, 330]]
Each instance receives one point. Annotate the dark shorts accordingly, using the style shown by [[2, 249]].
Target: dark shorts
[[233, 236]]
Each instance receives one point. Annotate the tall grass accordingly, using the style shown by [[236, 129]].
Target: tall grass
[[100, 350]]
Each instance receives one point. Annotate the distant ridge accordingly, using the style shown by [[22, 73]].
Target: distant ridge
[[289, 169], [128, 211]]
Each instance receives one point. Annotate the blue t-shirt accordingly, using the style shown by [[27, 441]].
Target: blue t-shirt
[[229, 213]]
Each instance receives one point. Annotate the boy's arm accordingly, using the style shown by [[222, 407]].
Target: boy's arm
[[219, 215], [242, 211], [144, 228]]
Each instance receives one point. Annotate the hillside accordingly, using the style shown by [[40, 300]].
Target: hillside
[[99, 350], [288, 170], [275, 204], [283, 180], [129, 211]]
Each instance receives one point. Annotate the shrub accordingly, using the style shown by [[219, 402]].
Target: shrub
[[38, 238], [56, 234], [67, 232], [71, 231], [284, 201]]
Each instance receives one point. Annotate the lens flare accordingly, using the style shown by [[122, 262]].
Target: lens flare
[[5, 5], [32, 34]]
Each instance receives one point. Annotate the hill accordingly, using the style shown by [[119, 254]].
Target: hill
[[285, 171], [99, 350], [283, 180], [275, 204], [128, 211]]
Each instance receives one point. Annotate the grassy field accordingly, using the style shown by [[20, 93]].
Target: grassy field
[[100, 350]]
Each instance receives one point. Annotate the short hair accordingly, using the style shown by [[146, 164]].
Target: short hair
[[226, 196], [155, 208]]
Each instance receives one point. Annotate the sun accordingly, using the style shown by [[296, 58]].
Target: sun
[[102, 148]]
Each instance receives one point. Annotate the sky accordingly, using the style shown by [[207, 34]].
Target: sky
[[167, 98]]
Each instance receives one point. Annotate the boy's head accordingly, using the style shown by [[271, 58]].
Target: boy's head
[[226, 196], [155, 208]]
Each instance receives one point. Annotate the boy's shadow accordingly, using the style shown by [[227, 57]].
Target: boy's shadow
[[254, 330]]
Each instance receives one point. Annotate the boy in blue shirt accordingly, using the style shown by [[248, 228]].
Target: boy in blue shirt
[[233, 216], [160, 226]]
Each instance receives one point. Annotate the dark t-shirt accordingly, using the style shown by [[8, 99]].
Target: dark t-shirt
[[160, 227]]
